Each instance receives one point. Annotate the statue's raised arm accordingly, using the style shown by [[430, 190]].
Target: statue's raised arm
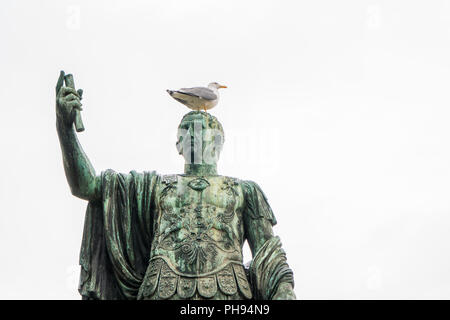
[[79, 171]]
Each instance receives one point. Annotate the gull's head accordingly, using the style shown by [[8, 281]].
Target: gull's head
[[215, 85]]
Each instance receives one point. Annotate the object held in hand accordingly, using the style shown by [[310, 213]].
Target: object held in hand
[[68, 79]]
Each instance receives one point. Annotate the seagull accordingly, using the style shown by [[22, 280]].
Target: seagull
[[198, 98]]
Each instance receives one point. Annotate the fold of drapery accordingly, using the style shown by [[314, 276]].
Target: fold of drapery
[[117, 236], [269, 269]]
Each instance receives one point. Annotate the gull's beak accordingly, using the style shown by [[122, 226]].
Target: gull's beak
[[224, 87]]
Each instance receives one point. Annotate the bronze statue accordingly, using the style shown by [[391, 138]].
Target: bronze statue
[[180, 236]]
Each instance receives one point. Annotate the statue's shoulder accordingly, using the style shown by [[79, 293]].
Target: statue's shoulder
[[132, 175], [248, 186], [256, 201], [168, 178], [233, 180]]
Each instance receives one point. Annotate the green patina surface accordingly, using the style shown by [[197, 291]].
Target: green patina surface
[[151, 236]]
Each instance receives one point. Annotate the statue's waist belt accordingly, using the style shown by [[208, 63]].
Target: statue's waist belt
[[164, 281]]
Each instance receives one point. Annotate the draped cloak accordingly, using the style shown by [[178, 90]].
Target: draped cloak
[[117, 236]]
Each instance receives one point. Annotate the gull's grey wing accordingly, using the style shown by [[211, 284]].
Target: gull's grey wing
[[201, 92]]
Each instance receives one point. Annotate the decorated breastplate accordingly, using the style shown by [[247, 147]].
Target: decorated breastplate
[[199, 227], [198, 237]]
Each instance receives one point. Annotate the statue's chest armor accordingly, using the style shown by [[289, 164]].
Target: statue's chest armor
[[199, 226]]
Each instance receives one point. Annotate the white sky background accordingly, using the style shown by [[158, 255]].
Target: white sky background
[[338, 109]]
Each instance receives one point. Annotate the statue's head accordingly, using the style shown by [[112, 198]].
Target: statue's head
[[200, 138]]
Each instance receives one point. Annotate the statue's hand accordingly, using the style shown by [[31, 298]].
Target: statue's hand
[[67, 101], [284, 292]]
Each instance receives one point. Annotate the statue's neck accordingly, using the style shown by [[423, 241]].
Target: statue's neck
[[200, 169]]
